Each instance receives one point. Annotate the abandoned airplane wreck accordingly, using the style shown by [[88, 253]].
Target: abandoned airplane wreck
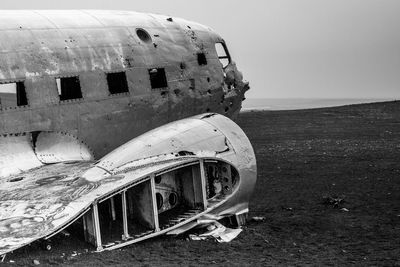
[[117, 118]]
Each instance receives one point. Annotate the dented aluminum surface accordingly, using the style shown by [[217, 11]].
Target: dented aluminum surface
[[48, 146]]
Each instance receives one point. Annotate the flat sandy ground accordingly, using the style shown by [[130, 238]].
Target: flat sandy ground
[[305, 158]]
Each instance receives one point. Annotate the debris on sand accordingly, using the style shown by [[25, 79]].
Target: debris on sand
[[65, 233], [258, 219], [344, 209], [217, 231], [36, 262], [334, 201]]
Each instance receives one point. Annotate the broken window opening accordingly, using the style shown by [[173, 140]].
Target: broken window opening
[[221, 179], [13, 95], [117, 83], [140, 213], [223, 54], [69, 88], [110, 216], [201, 59], [179, 192], [158, 78], [127, 215]]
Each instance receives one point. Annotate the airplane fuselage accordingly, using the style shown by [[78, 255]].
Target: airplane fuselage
[[105, 77]]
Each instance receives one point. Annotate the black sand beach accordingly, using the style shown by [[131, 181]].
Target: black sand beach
[[328, 186]]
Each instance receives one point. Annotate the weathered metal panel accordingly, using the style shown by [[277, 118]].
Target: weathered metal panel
[[66, 19], [95, 83], [138, 80], [17, 20], [54, 147], [41, 91]]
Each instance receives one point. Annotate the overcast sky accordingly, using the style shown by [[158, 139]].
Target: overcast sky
[[289, 48]]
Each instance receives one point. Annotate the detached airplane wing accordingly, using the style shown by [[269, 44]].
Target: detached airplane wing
[[164, 181]]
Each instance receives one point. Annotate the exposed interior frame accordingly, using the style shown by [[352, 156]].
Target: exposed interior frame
[[146, 215]]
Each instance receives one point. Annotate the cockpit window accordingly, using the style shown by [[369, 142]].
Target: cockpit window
[[223, 54]]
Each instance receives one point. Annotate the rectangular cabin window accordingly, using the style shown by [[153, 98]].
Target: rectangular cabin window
[[69, 88], [223, 54], [13, 95], [158, 78], [201, 59], [117, 83]]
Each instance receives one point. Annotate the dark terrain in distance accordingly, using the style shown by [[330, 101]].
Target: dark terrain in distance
[[304, 156]]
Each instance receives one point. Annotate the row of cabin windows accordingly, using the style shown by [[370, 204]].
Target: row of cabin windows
[[70, 87], [14, 94]]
